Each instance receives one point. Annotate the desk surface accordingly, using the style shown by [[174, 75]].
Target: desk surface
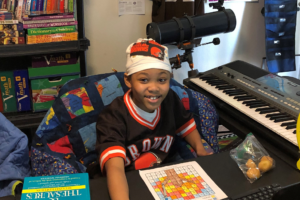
[[220, 167]]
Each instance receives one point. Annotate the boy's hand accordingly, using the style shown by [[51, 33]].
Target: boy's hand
[[203, 152]]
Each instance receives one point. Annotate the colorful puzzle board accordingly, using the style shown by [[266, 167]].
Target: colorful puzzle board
[[181, 182]]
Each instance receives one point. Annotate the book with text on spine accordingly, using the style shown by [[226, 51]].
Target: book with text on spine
[[58, 187]]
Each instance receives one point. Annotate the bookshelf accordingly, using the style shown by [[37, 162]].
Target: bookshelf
[[14, 57]]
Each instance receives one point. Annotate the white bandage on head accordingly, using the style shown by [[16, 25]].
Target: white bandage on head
[[147, 54]]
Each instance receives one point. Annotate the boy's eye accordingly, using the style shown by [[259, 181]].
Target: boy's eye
[[162, 80], [143, 80]]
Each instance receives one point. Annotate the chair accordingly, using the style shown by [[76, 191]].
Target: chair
[[65, 140]]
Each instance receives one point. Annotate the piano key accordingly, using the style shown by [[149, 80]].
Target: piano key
[[257, 105], [209, 78], [249, 101], [253, 102], [237, 93], [278, 116], [294, 131], [289, 123], [216, 84], [268, 110], [232, 91], [283, 119], [248, 97], [225, 87], [263, 119], [291, 126], [274, 115]]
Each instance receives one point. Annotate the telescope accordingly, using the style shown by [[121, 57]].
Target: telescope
[[188, 31]]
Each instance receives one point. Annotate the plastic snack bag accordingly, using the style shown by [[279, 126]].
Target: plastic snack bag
[[252, 158]]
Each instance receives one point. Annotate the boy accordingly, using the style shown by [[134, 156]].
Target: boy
[[137, 130]]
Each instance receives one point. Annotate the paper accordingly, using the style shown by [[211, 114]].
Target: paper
[[131, 7], [182, 181]]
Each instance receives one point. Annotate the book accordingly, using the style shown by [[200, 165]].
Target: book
[[11, 33], [6, 16], [49, 17], [8, 91], [33, 6], [22, 90], [59, 37], [51, 30], [45, 7], [44, 25], [9, 22], [70, 4], [49, 21], [12, 40], [15, 27], [56, 59], [58, 187], [66, 6], [19, 10]]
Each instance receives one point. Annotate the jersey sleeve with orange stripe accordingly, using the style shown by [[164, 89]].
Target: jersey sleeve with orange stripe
[[184, 120], [111, 134]]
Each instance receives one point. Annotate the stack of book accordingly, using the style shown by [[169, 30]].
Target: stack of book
[[55, 28], [11, 32]]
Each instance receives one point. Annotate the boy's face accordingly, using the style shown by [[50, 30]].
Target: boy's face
[[149, 88]]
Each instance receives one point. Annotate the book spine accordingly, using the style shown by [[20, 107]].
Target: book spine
[[6, 17], [8, 91], [54, 6], [70, 6], [51, 30], [50, 17], [22, 90], [45, 7], [19, 10], [66, 6], [12, 40], [4, 4], [45, 25], [13, 27], [55, 59], [49, 21], [59, 37], [9, 22], [12, 6], [28, 6], [40, 5], [24, 8], [1, 1], [12, 33], [61, 6], [49, 6]]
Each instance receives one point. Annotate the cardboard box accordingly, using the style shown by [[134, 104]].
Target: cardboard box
[[47, 81], [8, 91], [22, 90]]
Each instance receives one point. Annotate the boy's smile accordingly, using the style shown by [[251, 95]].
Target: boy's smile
[[148, 88]]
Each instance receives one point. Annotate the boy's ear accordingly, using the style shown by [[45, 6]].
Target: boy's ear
[[127, 80]]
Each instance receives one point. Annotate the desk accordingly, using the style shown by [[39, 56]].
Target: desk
[[226, 175]]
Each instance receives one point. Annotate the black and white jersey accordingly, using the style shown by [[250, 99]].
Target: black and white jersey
[[123, 130]]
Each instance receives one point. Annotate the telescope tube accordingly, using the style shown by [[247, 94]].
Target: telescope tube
[[205, 25]]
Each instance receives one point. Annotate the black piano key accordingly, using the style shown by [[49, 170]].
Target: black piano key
[[263, 109], [232, 91], [288, 123], [242, 98], [278, 116], [268, 111], [225, 91], [216, 84], [294, 131], [252, 102], [220, 87], [237, 93], [208, 77], [291, 126], [258, 105], [216, 81], [273, 115], [283, 119]]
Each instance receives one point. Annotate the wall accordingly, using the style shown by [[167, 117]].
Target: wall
[[110, 35]]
